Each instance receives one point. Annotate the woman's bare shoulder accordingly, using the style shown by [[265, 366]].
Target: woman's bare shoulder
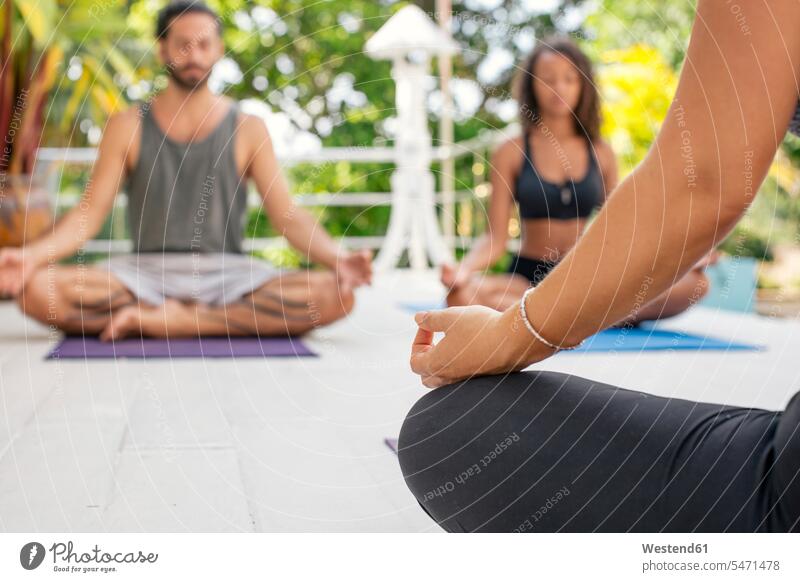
[[604, 152], [509, 152]]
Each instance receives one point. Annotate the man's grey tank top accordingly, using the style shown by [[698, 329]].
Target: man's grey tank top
[[186, 197]]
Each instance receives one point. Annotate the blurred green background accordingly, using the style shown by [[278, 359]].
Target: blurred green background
[[304, 61]]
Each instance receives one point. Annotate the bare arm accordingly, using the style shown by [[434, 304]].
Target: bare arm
[[299, 227], [82, 222], [735, 97], [737, 92], [492, 244]]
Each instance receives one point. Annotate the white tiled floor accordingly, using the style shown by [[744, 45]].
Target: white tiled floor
[[282, 444]]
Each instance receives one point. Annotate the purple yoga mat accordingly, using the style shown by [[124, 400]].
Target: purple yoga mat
[[206, 347], [391, 443]]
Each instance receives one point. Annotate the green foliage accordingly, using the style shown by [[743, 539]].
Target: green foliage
[[637, 86], [652, 39], [744, 242], [664, 26], [293, 54], [95, 63]]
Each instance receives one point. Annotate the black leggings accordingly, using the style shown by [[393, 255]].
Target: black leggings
[[532, 269], [546, 452]]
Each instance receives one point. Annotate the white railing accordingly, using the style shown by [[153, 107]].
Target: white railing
[[49, 160]]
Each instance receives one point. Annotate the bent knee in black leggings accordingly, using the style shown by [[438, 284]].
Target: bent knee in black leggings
[[544, 451]]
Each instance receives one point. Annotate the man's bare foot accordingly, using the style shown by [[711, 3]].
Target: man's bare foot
[[124, 322]]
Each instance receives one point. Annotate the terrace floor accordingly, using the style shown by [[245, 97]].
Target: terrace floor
[[286, 444]]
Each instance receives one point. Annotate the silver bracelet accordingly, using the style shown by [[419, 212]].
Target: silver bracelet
[[523, 314]]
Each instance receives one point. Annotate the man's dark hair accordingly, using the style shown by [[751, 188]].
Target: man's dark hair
[[175, 9]]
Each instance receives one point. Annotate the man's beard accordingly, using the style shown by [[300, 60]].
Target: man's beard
[[188, 85]]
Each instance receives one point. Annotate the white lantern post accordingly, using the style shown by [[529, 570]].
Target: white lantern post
[[409, 39]]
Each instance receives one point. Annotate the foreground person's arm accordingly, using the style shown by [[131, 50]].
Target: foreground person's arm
[[736, 95]]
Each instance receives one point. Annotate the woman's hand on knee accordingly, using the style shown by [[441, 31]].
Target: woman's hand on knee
[[477, 341]]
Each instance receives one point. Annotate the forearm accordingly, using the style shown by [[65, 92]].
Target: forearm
[[642, 242], [70, 233], [309, 237], [713, 150], [735, 97]]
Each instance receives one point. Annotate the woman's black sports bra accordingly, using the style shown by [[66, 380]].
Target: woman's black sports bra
[[538, 198]]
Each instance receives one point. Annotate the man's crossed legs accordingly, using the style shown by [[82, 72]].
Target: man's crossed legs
[[85, 300]]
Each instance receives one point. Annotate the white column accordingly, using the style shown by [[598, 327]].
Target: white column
[[413, 223]]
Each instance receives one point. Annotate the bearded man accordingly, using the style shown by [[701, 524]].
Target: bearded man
[[185, 157]]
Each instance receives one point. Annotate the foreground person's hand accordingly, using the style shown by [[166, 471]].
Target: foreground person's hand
[[478, 341]]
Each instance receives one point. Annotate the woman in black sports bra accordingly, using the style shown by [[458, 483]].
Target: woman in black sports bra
[[557, 173]]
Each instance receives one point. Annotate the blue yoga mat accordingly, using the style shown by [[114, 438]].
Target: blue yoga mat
[[207, 347], [414, 306], [647, 338]]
